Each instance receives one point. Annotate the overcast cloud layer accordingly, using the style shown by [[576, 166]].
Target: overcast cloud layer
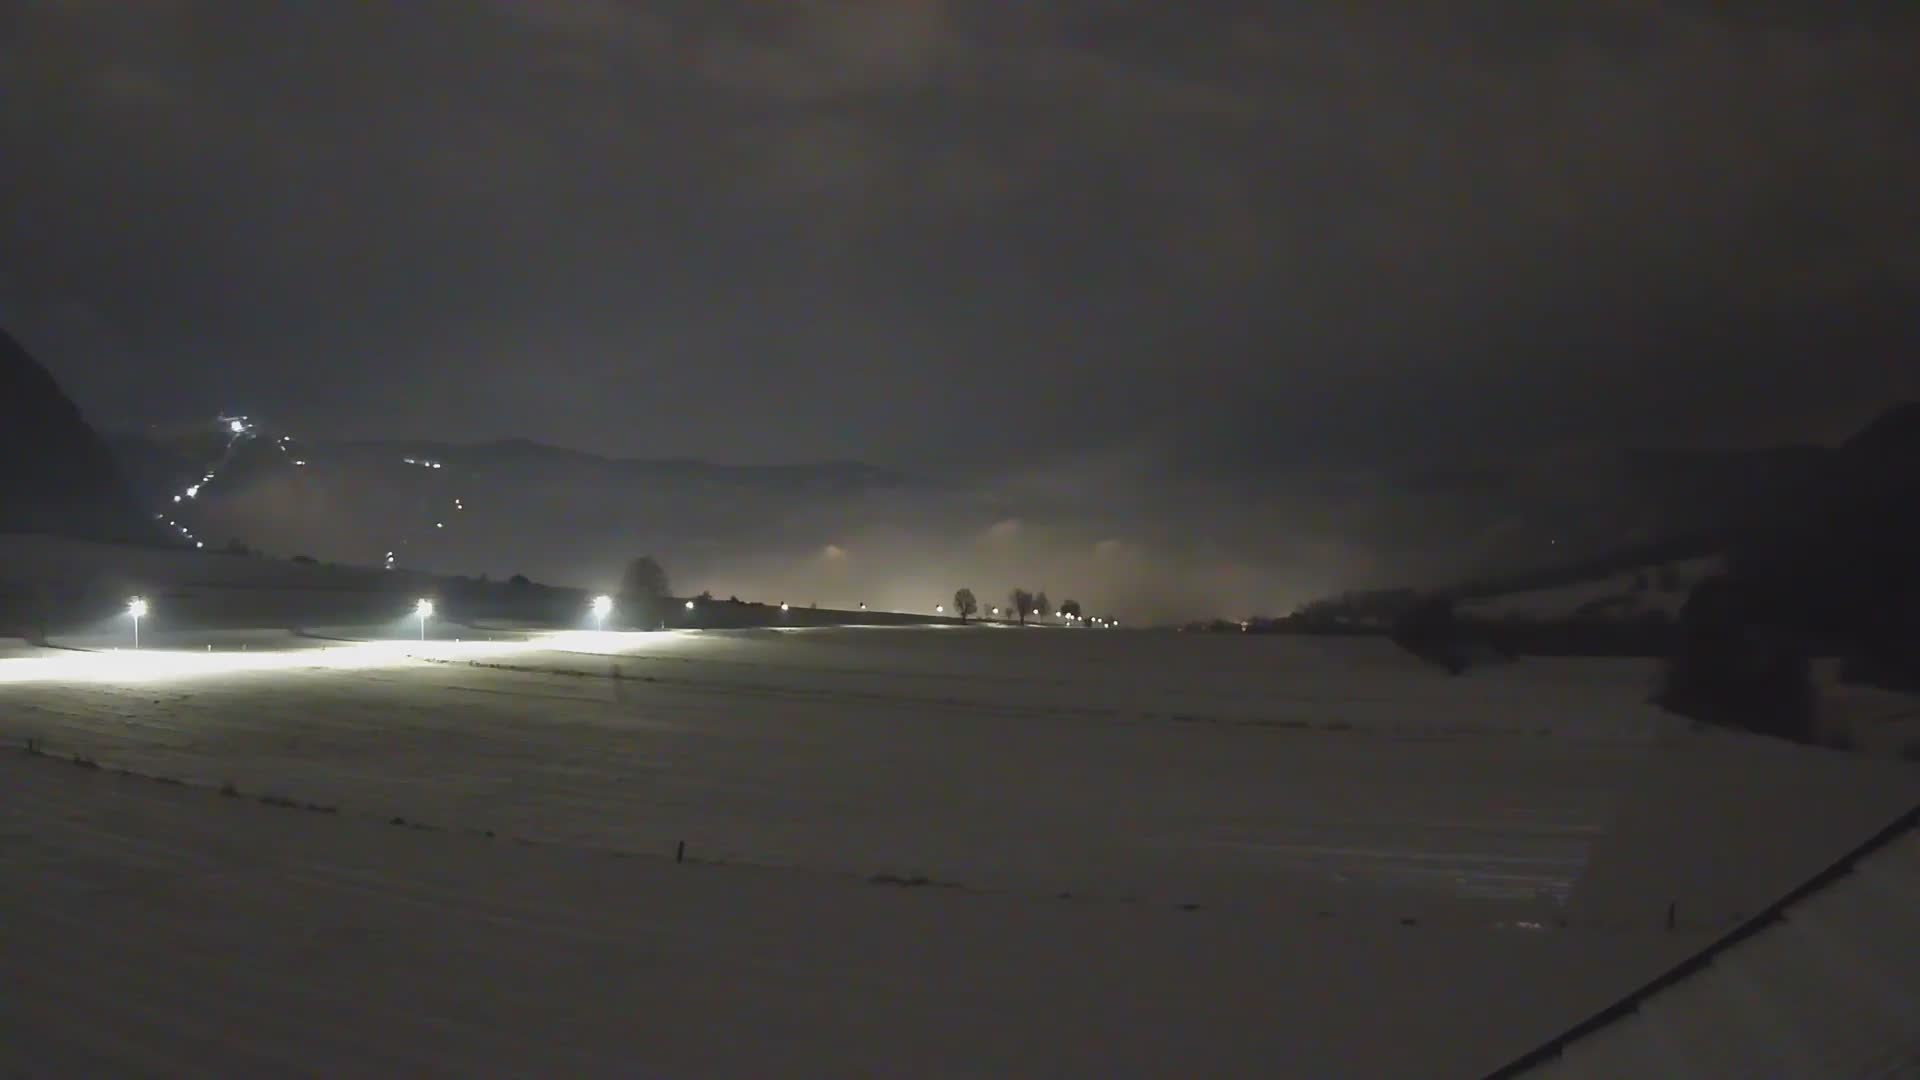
[[1236, 236]]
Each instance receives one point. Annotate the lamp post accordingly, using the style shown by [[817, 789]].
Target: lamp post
[[601, 606], [136, 607], [424, 609]]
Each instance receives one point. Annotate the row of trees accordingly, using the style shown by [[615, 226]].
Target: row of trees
[[645, 598], [1020, 603]]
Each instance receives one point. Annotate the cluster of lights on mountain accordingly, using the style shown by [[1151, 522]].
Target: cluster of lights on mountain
[[239, 428]]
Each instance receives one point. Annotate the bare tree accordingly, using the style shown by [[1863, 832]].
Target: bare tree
[[965, 604], [1022, 602], [1040, 605]]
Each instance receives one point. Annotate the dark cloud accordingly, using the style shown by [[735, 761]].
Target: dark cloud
[[921, 232]]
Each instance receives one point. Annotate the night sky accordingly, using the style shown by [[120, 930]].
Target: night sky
[[929, 234]]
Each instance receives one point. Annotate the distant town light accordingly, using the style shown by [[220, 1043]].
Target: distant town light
[[689, 605], [783, 605], [193, 491], [238, 427], [939, 609]]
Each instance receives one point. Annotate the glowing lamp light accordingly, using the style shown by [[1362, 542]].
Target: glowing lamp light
[[689, 605], [424, 609], [783, 605], [238, 427], [602, 605], [939, 609]]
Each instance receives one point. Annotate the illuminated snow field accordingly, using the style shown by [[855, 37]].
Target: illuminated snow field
[[914, 852]]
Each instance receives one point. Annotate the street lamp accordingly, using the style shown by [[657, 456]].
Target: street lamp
[[601, 606], [424, 609], [136, 607], [939, 609]]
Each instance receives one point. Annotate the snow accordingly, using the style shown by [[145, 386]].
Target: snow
[[1867, 718], [1828, 988], [1620, 593], [1142, 855], [36, 558]]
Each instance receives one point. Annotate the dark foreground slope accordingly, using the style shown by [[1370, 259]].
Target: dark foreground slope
[[56, 474]]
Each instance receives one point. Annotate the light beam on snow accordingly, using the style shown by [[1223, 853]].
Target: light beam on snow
[[162, 665]]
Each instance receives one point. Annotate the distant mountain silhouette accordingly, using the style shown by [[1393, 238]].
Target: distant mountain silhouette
[[508, 506], [1894, 435], [56, 474], [1645, 507]]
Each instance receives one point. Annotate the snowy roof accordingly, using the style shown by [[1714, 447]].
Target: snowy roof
[[1825, 983]]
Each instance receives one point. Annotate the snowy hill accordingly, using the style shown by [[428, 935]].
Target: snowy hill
[[499, 508], [1684, 511]]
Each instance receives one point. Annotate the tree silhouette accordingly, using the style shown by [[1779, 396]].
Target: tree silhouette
[[965, 604], [1070, 608], [1022, 603], [1040, 605], [643, 591]]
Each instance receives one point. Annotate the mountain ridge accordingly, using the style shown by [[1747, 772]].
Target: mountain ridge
[[57, 475]]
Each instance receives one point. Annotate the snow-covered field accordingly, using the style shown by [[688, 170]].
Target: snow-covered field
[[909, 852], [1628, 594]]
